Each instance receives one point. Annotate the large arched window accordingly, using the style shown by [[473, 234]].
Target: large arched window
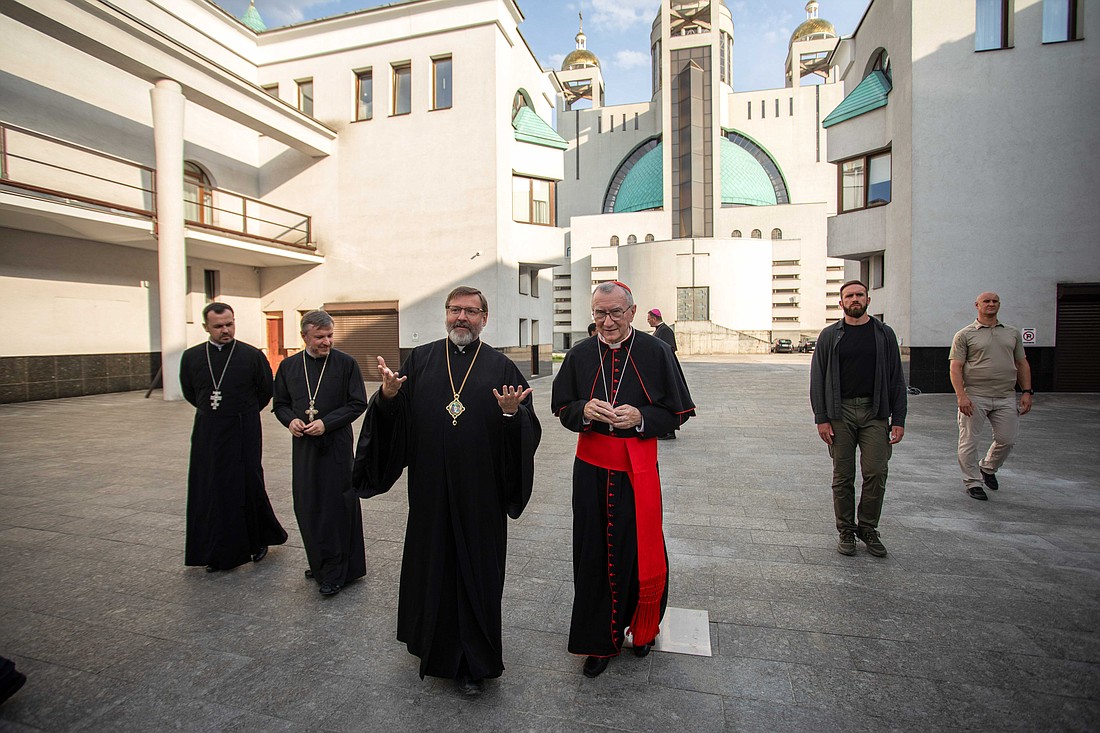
[[198, 195], [777, 233], [765, 160], [756, 234]]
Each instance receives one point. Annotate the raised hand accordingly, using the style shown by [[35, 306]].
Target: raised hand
[[509, 398], [391, 383]]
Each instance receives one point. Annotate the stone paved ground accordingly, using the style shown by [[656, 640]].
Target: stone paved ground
[[984, 616]]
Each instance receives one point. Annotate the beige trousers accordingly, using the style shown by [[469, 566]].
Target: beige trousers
[[1004, 417]]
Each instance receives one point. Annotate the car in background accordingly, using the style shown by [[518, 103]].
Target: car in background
[[782, 346], [807, 345]]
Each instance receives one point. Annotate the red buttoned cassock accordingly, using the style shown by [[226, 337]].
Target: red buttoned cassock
[[620, 567]]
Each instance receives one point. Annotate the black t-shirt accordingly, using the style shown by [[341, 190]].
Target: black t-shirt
[[856, 351]]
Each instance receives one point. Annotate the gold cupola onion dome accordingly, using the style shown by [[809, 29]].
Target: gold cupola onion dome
[[813, 27], [581, 57]]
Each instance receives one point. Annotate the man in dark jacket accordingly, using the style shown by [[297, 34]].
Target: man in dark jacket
[[858, 395]]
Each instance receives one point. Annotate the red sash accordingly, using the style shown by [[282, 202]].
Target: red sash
[[638, 459]]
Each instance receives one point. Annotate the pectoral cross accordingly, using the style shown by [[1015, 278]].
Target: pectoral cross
[[311, 412], [215, 399]]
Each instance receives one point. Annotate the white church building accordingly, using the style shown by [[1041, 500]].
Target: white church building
[[712, 204]]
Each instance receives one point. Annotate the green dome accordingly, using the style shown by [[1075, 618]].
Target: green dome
[[643, 187], [744, 180]]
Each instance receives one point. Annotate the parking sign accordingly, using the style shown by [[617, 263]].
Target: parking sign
[[1027, 335]]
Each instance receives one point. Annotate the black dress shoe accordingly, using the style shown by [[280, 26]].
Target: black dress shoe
[[667, 436], [977, 492], [594, 666], [259, 554], [11, 684], [309, 574], [331, 589], [467, 686], [643, 650], [212, 568], [991, 481]]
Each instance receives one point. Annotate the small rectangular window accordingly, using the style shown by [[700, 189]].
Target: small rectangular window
[[211, 285], [364, 94], [991, 20], [523, 332], [271, 90], [402, 89], [305, 96], [441, 83], [532, 200], [1060, 20], [865, 181]]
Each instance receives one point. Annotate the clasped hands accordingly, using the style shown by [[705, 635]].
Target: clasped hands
[[509, 398], [622, 417], [299, 427]]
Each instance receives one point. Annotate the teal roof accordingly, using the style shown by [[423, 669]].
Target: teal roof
[[643, 186], [252, 19], [530, 128], [744, 180], [869, 94]]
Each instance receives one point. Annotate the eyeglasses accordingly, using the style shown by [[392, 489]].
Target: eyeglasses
[[615, 313], [456, 311]]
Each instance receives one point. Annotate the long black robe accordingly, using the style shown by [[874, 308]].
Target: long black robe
[[464, 481], [327, 508], [605, 542], [229, 515]]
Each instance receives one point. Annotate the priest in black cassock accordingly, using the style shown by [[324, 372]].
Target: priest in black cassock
[[620, 390], [459, 415], [318, 394], [229, 517]]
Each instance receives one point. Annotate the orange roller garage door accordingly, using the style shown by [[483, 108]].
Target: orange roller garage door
[[367, 330]]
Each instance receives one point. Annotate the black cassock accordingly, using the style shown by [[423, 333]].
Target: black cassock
[[229, 515], [644, 373], [464, 481], [327, 508]]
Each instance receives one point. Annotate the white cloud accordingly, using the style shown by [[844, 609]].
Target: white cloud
[[556, 59], [626, 60], [619, 15]]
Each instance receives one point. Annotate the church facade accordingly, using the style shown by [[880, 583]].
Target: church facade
[[711, 203], [158, 156]]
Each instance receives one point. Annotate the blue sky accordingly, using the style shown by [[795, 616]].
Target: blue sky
[[618, 33]]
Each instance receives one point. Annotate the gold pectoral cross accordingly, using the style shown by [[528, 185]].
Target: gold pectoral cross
[[454, 409], [311, 412]]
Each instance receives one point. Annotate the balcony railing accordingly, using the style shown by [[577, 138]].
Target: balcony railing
[[56, 170]]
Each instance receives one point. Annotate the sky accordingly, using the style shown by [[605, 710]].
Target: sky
[[618, 33]]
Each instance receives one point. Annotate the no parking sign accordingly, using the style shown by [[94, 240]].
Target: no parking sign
[[1027, 335]]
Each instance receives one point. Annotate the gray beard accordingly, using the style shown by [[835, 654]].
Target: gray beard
[[461, 340]]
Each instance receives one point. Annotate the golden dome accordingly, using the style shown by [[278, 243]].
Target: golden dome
[[812, 27], [579, 59]]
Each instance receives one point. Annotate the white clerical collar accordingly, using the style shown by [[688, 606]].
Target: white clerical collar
[[218, 346], [618, 343]]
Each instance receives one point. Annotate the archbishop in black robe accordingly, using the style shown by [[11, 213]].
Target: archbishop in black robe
[[640, 371], [229, 516], [327, 508], [464, 480]]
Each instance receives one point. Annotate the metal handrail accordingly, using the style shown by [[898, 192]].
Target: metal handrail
[[295, 233]]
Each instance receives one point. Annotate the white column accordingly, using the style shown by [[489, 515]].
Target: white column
[[168, 103]]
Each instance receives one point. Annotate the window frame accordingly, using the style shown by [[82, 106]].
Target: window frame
[[552, 201], [1073, 22], [301, 85], [396, 69], [436, 61], [361, 74], [865, 158], [1006, 27]]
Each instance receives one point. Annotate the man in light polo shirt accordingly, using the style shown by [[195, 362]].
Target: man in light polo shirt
[[987, 361]]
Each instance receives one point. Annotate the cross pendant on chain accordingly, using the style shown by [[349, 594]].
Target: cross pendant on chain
[[311, 412], [215, 399]]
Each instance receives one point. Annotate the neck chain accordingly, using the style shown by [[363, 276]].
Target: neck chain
[[611, 395], [455, 407], [312, 395], [216, 395]]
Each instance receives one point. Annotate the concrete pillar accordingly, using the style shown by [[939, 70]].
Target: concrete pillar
[[168, 104]]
